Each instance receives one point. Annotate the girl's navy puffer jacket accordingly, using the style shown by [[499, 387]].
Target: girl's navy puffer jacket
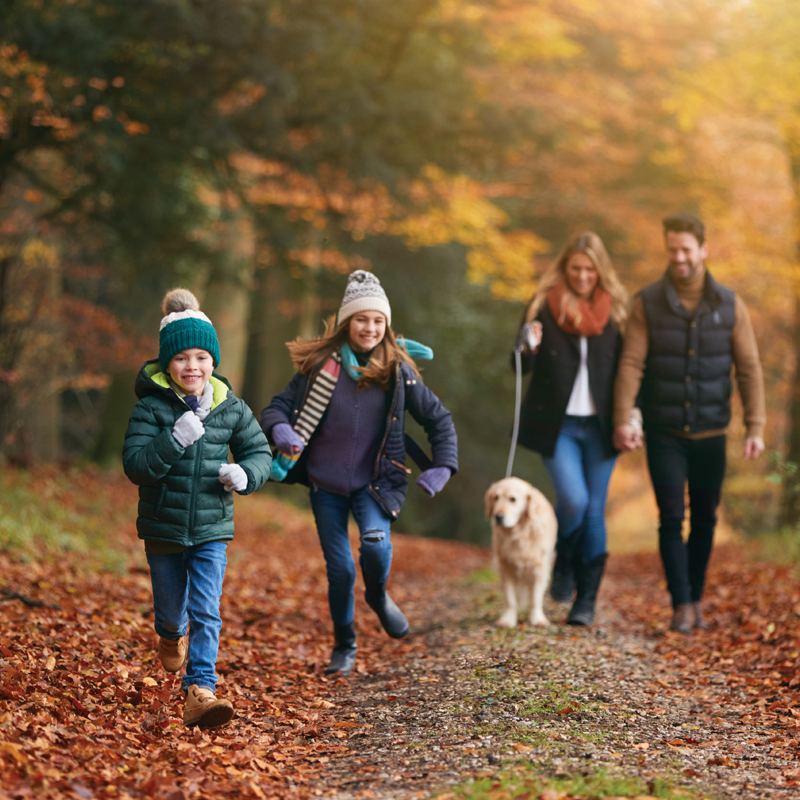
[[181, 499], [389, 484]]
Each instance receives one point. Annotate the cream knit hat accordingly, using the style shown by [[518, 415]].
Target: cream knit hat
[[364, 293]]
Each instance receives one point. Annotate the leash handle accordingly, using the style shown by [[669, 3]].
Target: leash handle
[[517, 408]]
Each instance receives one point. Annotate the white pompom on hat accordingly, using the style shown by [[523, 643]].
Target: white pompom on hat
[[364, 293]]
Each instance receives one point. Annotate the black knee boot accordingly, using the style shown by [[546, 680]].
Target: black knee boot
[[563, 582], [391, 617], [343, 658], [587, 581]]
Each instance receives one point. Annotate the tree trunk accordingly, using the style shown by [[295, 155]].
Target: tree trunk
[[790, 501], [227, 304], [117, 408], [43, 413], [268, 364], [226, 298], [8, 419], [30, 353]]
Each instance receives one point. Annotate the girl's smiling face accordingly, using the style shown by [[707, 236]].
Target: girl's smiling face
[[367, 329], [191, 369]]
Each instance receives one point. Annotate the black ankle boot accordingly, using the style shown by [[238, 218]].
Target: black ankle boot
[[343, 658], [587, 580], [391, 617], [563, 582]]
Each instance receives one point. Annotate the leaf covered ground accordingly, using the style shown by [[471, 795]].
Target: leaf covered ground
[[458, 709]]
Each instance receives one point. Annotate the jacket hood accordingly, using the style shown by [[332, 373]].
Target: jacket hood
[[152, 380]]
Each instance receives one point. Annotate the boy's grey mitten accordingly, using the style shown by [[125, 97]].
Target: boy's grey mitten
[[187, 429], [232, 476]]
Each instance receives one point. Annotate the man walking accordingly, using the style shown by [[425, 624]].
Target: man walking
[[684, 334]]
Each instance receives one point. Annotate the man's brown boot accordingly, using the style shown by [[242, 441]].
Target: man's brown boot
[[173, 652], [699, 620], [204, 709], [682, 618]]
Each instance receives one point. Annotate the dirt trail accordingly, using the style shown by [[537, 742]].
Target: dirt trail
[[86, 710], [622, 696]]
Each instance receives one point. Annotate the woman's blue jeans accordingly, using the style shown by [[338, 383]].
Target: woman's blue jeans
[[187, 587], [331, 512], [580, 471]]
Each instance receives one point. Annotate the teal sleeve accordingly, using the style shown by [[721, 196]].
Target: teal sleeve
[[251, 450], [149, 450]]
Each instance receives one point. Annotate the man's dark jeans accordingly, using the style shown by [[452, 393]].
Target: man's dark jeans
[[673, 461]]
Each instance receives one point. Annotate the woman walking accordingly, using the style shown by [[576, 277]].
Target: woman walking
[[338, 427], [571, 337]]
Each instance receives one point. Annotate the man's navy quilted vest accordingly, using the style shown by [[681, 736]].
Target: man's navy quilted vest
[[687, 379]]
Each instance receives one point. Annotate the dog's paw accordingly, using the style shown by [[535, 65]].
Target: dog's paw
[[508, 620], [539, 619]]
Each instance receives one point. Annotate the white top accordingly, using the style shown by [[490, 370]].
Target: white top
[[581, 403]]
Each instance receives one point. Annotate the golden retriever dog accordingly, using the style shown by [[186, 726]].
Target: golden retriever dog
[[524, 530]]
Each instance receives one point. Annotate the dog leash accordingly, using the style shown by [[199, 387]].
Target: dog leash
[[517, 405]]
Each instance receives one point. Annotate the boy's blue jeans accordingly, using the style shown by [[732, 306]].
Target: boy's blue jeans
[[187, 588], [331, 512], [580, 471]]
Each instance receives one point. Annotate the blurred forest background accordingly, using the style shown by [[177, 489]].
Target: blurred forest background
[[259, 150]]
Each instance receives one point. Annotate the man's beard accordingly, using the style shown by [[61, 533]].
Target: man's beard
[[696, 266]]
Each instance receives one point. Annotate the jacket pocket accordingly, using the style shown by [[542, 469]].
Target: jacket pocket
[[161, 495], [227, 505], [393, 473]]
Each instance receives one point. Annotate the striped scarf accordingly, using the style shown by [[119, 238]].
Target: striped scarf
[[319, 397]]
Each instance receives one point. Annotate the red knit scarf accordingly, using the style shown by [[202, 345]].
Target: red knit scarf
[[593, 313]]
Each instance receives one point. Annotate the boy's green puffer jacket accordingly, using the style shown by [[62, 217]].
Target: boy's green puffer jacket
[[181, 499]]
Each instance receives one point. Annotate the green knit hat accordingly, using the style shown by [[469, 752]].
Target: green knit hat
[[183, 327]]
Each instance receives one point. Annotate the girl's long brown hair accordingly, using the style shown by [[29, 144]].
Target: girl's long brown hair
[[589, 244], [309, 354]]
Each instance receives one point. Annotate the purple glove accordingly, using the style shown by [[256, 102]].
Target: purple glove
[[434, 479], [286, 440]]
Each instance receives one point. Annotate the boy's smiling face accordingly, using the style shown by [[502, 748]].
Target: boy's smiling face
[[191, 369]]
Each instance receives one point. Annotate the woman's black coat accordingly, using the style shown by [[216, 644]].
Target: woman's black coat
[[555, 367]]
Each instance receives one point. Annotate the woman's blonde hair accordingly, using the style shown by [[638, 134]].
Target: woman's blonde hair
[[589, 244], [309, 354]]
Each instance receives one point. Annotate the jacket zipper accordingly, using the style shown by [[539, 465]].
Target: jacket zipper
[[197, 463], [388, 426], [385, 437]]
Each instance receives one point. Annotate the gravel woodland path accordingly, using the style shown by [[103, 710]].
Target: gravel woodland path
[[625, 696], [87, 712]]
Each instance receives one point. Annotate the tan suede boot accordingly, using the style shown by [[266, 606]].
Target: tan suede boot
[[682, 618], [173, 652], [204, 709]]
